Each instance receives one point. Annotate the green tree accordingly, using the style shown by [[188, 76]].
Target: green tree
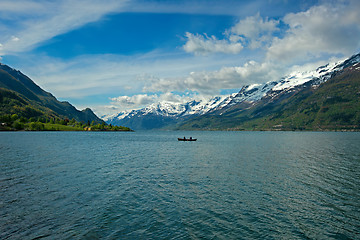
[[23, 120], [18, 125], [36, 126], [14, 117]]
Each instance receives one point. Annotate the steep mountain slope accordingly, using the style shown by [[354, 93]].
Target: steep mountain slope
[[20, 95], [333, 104], [265, 98]]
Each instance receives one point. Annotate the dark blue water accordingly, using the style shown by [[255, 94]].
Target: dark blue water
[[147, 185]]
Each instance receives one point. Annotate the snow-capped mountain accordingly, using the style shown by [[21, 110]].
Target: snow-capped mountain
[[254, 92], [174, 110], [164, 113]]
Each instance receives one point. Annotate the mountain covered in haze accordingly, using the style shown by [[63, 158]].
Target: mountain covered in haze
[[20, 95], [325, 98]]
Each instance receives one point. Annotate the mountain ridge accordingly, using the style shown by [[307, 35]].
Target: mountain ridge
[[159, 116], [20, 95], [330, 105]]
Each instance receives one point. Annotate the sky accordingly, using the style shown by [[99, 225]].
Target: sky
[[116, 55]]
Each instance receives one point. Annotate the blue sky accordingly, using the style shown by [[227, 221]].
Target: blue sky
[[120, 55]]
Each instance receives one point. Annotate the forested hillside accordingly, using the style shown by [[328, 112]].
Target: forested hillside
[[20, 95]]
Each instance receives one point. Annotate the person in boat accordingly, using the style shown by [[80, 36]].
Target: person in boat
[[190, 138], [184, 138]]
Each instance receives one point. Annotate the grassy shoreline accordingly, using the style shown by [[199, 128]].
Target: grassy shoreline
[[14, 123]]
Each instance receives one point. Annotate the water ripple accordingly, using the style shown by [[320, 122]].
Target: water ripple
[[146, 185]]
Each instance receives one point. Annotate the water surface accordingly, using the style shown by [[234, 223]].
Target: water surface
[[147, 185]]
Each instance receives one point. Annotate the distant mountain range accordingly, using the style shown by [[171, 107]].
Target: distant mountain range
[[324, 99], [164, 114], [20, 95]]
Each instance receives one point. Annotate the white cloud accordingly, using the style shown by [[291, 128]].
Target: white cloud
[[199, 44], [122, 103], [15, 39], [174, 98], [252, 32], [255, 30], [326, 29], [211, 82], [49, 19], [135, 100]]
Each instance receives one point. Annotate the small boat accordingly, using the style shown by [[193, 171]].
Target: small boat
[[187, 139]]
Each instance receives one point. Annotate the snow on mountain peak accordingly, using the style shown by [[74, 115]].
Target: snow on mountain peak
[[298, 78], [182, 109], [322, 74], [248, 93]]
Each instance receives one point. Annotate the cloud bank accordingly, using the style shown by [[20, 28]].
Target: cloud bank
[[326, 29], [252, 32], [211, 82]]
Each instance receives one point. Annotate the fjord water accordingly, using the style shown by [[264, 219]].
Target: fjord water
[[147, 185]]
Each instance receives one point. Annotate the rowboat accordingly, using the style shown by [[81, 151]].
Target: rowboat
[[187, 139]]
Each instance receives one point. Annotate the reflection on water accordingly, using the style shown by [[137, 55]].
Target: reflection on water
[[227, 185]]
